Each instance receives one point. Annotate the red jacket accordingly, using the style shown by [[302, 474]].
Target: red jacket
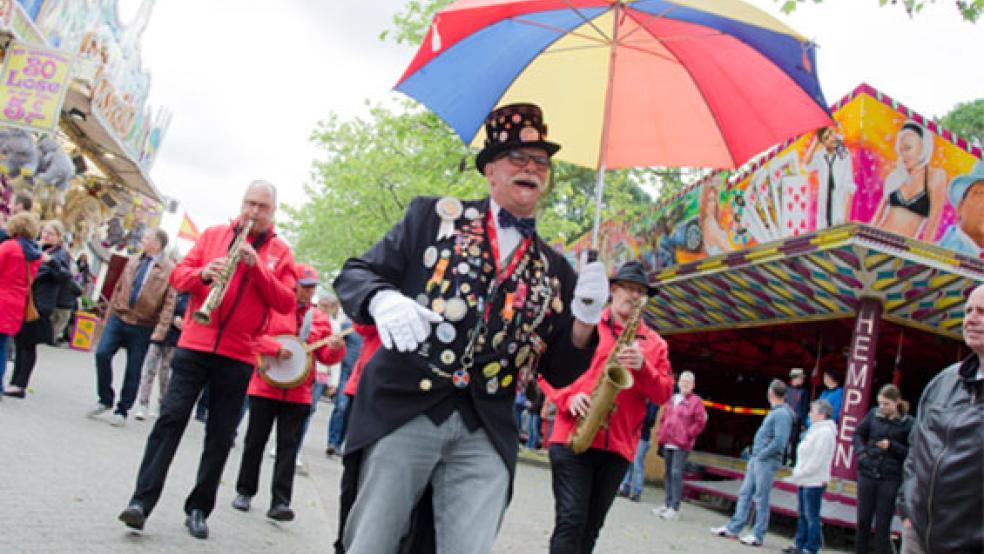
[[13, 293], [652, 381], [252, 293], [370, 344], [681, 424], [290, 324]]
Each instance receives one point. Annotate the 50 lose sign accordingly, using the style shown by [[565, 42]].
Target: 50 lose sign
[[33, 87]]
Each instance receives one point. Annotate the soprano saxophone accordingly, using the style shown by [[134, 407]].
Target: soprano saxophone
[[613, 379], [219, 285]]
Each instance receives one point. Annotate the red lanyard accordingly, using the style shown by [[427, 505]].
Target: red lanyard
[[514, 258]]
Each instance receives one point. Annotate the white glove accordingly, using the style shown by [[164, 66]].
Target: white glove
[[400, 321], [590, 293]]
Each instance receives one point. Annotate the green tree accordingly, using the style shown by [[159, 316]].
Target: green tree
[[372, 167], [967, 120], [971, 10]]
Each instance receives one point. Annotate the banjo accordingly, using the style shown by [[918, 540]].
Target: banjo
[[285, 374]]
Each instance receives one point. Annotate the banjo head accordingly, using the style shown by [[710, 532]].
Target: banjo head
[[285, 374]]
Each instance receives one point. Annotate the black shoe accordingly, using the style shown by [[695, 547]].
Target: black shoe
[[330, 451], [195, 522], [281, 512], [241, 502], [635, 497], [791, 549], [14, 393], [134, 516], [623, 493]]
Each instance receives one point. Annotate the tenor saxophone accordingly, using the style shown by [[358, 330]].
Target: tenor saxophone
[[203, 314], [613, 379]]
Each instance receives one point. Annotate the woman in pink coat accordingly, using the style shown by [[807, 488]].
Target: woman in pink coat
[[20, 259], [683, 420]]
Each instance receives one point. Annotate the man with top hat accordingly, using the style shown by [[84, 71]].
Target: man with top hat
[[966, 194], [585, 484], [463, 294], [219, 354], [286, 404]]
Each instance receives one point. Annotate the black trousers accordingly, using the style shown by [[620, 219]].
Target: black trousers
[[190, 371], [290, 417], [876, 500], [26, 348], [584, 486]]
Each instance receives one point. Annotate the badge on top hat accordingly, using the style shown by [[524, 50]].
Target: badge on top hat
[[514, 126]]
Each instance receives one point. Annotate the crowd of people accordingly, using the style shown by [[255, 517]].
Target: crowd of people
[[44, 287], [450, 337]]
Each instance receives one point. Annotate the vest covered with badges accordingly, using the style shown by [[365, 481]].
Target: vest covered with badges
[[494, 317], [498, 321]]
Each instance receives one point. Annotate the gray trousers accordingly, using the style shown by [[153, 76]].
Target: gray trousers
[[60, 318], [469, 479], [157, 363], [675, 459]]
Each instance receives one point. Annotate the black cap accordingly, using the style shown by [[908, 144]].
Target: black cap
[[634, 272]]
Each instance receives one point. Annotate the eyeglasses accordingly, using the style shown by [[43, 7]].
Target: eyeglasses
[[520, 159]]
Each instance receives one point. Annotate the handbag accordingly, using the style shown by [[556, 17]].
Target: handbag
[[30, 310]]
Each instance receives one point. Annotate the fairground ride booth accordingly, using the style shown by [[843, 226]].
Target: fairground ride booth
[[75, 130], [854, 251]]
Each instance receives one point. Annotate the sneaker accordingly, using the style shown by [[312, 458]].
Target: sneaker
[[636, 497], [670, 514], [300, 468], [97, 410], [623, 493], [117, 420], [750, 540], [273, 452], [658, 512], [141, 413], [722, 531]]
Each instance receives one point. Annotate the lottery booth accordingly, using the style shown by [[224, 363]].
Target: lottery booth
[[76, 132], [852, 247]]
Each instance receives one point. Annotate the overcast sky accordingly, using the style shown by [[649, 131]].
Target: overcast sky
[[248, 80]]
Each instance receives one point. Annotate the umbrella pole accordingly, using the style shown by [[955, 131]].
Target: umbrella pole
[[599, 193], [603, 154]]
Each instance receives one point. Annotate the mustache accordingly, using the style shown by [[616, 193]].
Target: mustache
[[527, 178]]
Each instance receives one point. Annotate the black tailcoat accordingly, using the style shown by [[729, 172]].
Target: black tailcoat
[[529, 324]]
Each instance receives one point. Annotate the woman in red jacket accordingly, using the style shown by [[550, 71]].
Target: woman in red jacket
[[683, 420], [584, 485], [20, 259], [289, 407]]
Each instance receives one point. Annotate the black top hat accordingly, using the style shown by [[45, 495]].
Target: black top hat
[[633, 272], [513, 126]]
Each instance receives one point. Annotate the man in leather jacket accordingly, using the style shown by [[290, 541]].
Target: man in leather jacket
[[943, 506]]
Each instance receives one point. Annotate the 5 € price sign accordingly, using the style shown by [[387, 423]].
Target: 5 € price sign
[[33, 86]]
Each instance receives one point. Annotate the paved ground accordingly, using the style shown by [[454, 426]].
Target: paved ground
[[65, 478]]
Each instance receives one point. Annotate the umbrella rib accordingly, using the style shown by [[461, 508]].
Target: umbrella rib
[[560, 30], [651, 53], [587, 20]]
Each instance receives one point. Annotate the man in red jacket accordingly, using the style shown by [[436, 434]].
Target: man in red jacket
[[288, 406], [220, 354], [585, 484]]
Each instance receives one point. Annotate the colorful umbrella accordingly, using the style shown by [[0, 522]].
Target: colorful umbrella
[[694, 83]]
